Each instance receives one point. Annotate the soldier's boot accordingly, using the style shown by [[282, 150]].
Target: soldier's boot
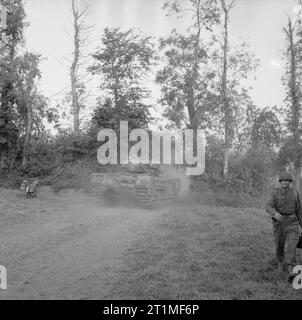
[[292, 231]]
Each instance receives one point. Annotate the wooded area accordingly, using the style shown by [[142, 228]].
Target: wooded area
[[78, 228], [202, 79]]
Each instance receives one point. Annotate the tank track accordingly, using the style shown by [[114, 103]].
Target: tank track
[[97, 186], [149, 191], [156, 192]]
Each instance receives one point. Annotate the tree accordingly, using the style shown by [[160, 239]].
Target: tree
[[234, 65], [22, 107], [266, 128], [186, 82], [186, 77], [80, 37], [224, 78], [205, 13], [202, 83], [298, 22], [293, 98], [31, 105], [123, 64], [11, 39]]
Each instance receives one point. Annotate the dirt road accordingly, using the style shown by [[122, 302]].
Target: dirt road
[[72, 246], [67, 245]]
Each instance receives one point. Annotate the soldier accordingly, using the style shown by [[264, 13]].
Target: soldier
[[285, 209]]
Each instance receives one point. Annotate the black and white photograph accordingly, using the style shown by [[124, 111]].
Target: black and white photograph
[[150, 150]]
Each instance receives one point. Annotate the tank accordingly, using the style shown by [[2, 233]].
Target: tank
[[146, 184]]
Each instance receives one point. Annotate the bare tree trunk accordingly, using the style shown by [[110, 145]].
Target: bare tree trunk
[[194, 119], [27, 138], [294, 96], [74, 66], [224, 94], [80, 37], [226, 163]]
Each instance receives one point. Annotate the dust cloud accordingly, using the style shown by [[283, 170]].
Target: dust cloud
[[173, 172]]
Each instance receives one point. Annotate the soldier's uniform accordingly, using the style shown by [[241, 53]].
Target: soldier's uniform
[[286, 232]]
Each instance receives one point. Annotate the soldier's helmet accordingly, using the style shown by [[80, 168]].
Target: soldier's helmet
[[285, 176]]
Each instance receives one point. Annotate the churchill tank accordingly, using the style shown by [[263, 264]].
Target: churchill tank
[[146, 183]]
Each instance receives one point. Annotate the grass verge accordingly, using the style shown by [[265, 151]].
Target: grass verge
[[201, 252]]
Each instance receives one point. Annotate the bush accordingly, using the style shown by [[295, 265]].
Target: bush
[[252, 172], [12, 180], [49, 154], [250, 177], [72, 148], [63, 161], [74, 176]]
